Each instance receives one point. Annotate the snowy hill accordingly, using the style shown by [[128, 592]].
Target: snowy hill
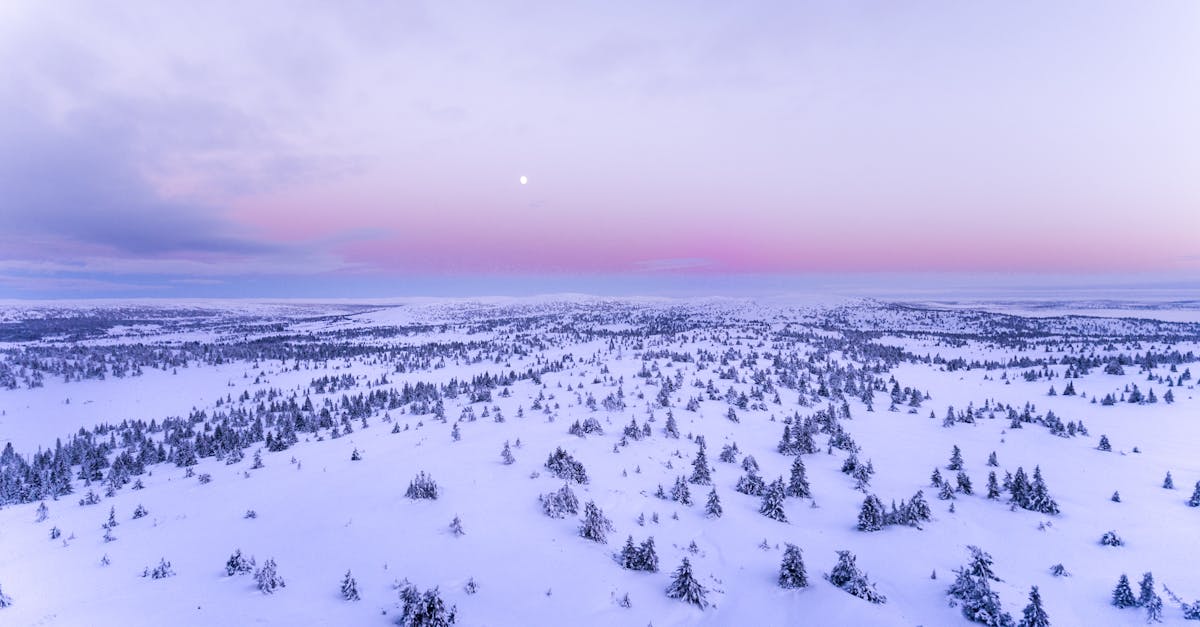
[[166, 409]]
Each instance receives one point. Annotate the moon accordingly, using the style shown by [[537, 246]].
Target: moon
[[524, 179]]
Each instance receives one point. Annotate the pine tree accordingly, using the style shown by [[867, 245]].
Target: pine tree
[[972, 588], [456, 527], [238, 565], [956, 460], [917, 509], [845, 575], [713, 509], [993, 487], [1040, 496], [701, 473], [1168, 482], [1104, 445], [349, 587], [870, 518], [964, 483], [772, 501], [1154, 606], [684, 586], [5, 600], [1145, 589], [798, 482], [267, 578], [681, 493], [506, 455], [595, 525], [1195, 500], [791, 571], [1122, 595], [647, 556], [1035, 615], [671, 429], [992, 460]]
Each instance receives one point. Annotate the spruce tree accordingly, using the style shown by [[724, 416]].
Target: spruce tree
[[1122, 595], [684, 586], [1168, 482], [506, 455], [870, 517], [1154, 607], [956, 460], [993, 487], [267, 578], [5, 600], [798, 482], [1195, 500], [349, 587], [701, 473], [1035, 615], [1146, 589], [595, 525], [964, 483], [772, 501], [1104, 445], [791, 571], [712, 509]]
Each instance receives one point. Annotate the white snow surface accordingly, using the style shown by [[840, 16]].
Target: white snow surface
[[320, 514]]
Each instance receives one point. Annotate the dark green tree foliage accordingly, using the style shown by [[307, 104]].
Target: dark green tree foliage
[[559, 503], [685, 587], [798, 482], [772, 501], [562, 465], [267, 578], [701, 472], [350, 587], [1146, 589], [993, 487], [791, 571], [713, 509], [425, 610], [870, 517], [595, 525], [956, 460], [964, 483], [845, 575], [237, 564], [1122, 595], [422, 487], [1034, 615], [642, 557], [972, 588]]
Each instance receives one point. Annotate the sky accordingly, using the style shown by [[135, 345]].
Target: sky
[[161, 149]]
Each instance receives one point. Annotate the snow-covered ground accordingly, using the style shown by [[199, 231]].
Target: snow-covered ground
[[211, 369]]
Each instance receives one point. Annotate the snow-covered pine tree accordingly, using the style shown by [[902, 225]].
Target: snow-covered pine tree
[[456, 527], [1146, 589], [772, 501], [5, 600], [956, 460], [1195, 500], [559, 503], [422, 487], [964, 483], [1104, 445], [506, 455], [972, 588], [350, 587], [1168, 482], [712, 509], [993, 486], [1122, 595], [595, 525], [1034, 615], [1154, 607], [685, 587], [680, 492], [791, 570], [701, 472], [870, 517], [267, 578], [237, 564], [845, 575], [798, 481]]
